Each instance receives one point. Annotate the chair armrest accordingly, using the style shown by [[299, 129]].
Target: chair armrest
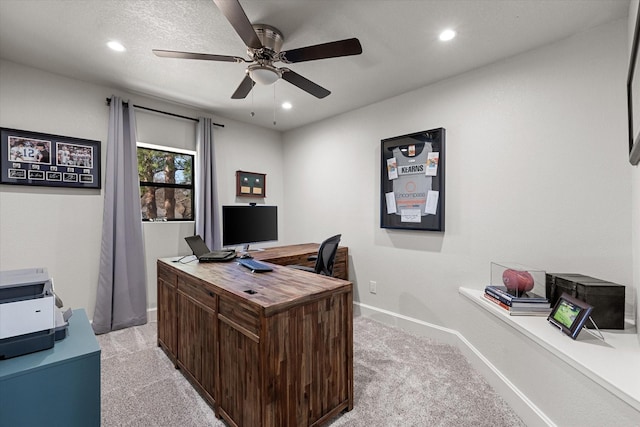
[[302, 267], [312, 258]]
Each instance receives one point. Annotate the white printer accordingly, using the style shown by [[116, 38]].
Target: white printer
[[27, 312]]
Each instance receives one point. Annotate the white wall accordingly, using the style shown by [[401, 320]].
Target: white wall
[[536, 173], [61, 228]]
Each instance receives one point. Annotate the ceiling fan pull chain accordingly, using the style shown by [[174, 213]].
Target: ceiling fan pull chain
[[274, 104], [253, 113]]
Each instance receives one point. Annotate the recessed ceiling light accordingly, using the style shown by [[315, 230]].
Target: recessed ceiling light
[[117, 46], [286, 105], [447, 35]]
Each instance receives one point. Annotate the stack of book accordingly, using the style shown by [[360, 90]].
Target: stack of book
[[527, 304]]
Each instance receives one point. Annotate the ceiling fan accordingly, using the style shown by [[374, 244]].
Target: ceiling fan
[[263, 48]]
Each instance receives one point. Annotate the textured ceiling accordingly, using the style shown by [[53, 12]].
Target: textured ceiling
[[399, 40]]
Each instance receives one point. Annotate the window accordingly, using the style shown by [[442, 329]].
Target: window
[[166, 183]]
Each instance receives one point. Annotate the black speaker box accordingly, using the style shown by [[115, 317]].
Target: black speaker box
[[606, 298]]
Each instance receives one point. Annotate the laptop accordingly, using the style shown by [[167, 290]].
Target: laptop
[[202, 252]]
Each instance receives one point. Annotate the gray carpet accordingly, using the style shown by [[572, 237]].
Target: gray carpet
[[399, 380]]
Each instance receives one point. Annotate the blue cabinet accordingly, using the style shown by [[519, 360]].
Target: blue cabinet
[[58, 386]]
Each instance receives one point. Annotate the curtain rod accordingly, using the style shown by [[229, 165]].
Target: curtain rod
[[164, 112]]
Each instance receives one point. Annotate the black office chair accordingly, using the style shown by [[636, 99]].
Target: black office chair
[[324, 259]]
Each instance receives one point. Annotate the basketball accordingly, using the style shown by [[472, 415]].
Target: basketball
[[517, 280]]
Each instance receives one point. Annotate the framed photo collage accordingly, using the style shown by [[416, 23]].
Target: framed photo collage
[[33, 158]]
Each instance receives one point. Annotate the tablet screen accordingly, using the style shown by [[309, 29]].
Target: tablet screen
[[569, 314]]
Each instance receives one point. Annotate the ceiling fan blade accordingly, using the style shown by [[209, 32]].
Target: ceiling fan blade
[[303, 83], [234, 13], [243, 90], [335, 49], [191, 55]]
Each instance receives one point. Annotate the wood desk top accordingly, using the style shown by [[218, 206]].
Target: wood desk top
[[275, 291], [299, 254], [289, 251]]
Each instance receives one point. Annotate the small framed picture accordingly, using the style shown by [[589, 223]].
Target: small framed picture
[[570, 314], [34, 158], [251, 184]]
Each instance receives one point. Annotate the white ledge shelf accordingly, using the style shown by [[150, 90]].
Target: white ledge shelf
[[614, 363]]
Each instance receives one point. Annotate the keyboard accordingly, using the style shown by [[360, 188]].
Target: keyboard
[[253, 265]]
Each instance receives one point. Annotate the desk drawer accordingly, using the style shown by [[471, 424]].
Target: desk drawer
[[240, 314], [166, 275], [198, 291]]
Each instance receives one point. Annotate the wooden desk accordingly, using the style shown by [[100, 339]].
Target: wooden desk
[[264, 349], [299, 254], [57, 386]]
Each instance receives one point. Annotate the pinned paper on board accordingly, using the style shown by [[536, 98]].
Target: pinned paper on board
[[431, 207], [410, 215], [391, 203], [432, 163], [392, 168]]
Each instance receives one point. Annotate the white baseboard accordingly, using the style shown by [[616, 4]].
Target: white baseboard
[[525, 408]]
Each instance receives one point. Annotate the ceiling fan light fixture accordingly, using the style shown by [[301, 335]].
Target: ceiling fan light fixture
[[447, 35], [263, 74], [116, 45]]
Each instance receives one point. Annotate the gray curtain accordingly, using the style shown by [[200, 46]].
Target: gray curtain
[[121, 300], [207, 221]]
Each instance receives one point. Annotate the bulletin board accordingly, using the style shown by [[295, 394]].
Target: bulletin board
[[412, 173]]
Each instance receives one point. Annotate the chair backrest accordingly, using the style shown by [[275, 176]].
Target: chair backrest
[[326, 255]]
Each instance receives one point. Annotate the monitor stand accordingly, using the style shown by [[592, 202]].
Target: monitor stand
[[246, 250]]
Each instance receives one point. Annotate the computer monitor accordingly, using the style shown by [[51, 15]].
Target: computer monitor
[[244, 225]]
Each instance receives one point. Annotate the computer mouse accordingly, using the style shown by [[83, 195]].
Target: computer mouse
[[244, 256]]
